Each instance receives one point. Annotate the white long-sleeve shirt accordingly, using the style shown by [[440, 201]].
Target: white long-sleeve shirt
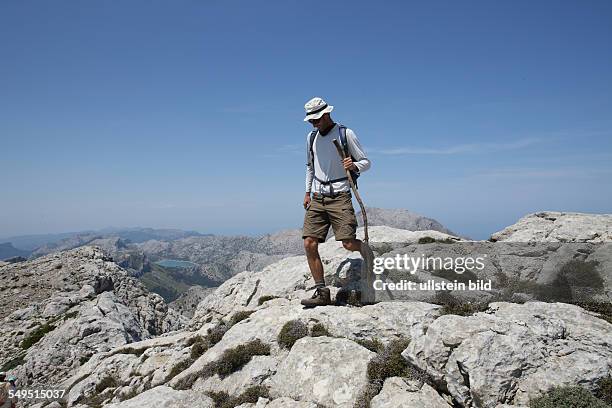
[[327, 164]]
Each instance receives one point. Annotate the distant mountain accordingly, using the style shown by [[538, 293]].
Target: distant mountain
[[49, 243], [402, 219], [7, 250]]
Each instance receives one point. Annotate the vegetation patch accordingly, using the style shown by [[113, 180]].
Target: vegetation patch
[[265, 298], [430, 240], [451, 305], [374, 344], [291, 332], [568, 397], [319, 330], [106, 382], [250, 395], [12, 363], [235, 358], [240, 316], [84, 359], [388, 363], [36, 335], [71, 315], [604, 390], [179, 368]]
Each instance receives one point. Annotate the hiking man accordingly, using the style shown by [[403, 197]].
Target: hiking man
[[330, 203], [5, 401]]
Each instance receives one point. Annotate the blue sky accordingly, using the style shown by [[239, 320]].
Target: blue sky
[[189, 114]]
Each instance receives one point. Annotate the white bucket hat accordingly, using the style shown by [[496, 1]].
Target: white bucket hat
[[315, 108]]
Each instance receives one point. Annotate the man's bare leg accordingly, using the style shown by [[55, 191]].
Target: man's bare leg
[[311, 245], [352, 244], [321, 296]]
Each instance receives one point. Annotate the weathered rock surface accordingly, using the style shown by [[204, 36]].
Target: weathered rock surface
[[514, 352], [61, 309], [166, 397], [324, 370], [398, 392], [554, 226]]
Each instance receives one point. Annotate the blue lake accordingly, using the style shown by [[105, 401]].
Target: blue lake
[[175, 263]]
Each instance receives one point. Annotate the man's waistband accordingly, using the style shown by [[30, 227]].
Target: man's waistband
[[319, 196]]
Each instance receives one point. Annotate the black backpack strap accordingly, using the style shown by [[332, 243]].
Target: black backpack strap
[[343, 140], [311, 139], [347, 153]]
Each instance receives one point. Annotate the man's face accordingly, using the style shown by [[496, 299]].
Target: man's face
[[320, 123]]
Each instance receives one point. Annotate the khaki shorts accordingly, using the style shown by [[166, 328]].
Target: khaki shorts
[[337, 212]]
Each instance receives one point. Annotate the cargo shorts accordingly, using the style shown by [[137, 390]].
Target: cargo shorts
[[325, 211]]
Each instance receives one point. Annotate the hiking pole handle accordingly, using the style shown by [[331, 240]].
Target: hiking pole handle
[[352, 183]]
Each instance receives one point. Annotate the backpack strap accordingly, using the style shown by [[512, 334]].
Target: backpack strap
[[343, 141], [311, 139]]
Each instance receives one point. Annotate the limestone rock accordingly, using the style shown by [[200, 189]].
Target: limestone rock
[[399, 393], [166, 397], [324, 370], [554, 226], [514, 352]]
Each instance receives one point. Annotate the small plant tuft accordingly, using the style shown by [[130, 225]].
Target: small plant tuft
[[265, 298], [240, 316], [235, 358], [250, 395], [106, 382], [291, 332], [567, 397], [373, 345], [36, 335], [319, 330], [604, 390]]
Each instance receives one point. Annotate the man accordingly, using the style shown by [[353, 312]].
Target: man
[[330, 203], [5, 401]]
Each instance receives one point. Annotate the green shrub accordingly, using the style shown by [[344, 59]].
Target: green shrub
[[235, 358], [318, 330], [430, 240], [179, 368], [84, 359], [567, 397], [389, 363], [240, 316], [106, 382], [291, 332], [71, 315], [36, 335], [250, 395], [604, 390], [215, 334], [373, 345], [452, 305], [12, 363], [199, 347], [265, 298]]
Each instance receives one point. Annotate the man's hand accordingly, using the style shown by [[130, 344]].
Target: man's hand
[[349, 165], [307, 201]]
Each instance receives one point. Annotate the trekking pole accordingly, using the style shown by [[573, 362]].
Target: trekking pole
[[354, 188]]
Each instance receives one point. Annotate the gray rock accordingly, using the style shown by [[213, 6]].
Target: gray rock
[[166, 397], [399, 393], [514, 352], [328, 371], [554, 226]]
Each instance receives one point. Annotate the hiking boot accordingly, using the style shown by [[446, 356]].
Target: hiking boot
[[320, 297]]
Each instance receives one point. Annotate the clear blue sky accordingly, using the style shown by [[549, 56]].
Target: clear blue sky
[[189, 114]]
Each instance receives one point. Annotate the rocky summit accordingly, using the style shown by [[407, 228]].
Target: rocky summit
[[59, 310], [251, 344]]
